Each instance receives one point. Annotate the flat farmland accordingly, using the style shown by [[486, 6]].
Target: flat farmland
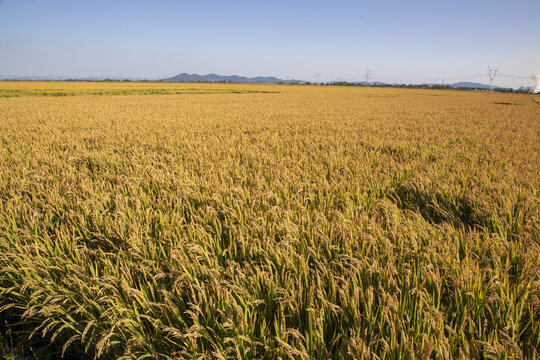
[[229, 221]]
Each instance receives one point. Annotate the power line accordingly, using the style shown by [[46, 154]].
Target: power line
[[515, 76], [386, 76], [492, 73], [450, 77], [464, 76]]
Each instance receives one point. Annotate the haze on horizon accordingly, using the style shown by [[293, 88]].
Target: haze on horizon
[[413, 42]]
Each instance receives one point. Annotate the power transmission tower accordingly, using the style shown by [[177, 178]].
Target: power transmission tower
[[492, 74], [317, 77], [368, 73]]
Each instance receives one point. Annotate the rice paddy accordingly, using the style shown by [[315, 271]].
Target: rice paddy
[[227, 221]]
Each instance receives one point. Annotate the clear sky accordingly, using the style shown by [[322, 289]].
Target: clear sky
[[411, 41]]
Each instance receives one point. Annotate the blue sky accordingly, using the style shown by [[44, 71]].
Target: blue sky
[[411, 41]]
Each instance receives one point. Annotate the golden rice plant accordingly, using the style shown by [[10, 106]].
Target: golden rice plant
[[220, 221]]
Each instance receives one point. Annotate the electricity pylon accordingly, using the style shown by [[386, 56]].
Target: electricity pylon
[[366, 78], [492, 74]]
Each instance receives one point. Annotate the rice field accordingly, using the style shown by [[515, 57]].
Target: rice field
[[228, 221]]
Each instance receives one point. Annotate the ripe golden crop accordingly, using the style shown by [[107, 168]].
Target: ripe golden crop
[[257, 221]]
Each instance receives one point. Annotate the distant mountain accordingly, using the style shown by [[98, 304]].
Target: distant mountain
[[226, 78], [468, 84]]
